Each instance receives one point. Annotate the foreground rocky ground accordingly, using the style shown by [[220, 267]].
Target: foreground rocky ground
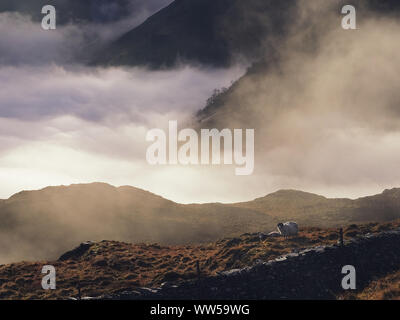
[[384, 288], [110, 267]]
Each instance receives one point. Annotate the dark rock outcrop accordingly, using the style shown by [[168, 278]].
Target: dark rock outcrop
[[77, 252]]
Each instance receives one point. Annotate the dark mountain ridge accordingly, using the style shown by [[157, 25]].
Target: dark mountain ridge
[[200, 31], [218, 32], [78, 11]]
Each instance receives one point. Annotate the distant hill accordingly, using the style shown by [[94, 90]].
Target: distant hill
[[315, 210], [42, 224]]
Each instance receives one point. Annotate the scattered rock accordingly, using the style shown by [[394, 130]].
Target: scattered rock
[[233, 242], [274, 234], [100, 262], [262, 236]]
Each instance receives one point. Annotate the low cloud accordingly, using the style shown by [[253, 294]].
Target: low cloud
[[326, 116], [327, 113], [106, 95], [63, 125], [62, 122], [24, 42]]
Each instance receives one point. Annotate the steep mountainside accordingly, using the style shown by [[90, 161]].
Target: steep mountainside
[[303, 36], [82, 11], [216, 32], [201, 31]]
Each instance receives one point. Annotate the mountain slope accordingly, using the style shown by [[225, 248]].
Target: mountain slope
[[88, 11], [217, 32], [201, 31], [304, 35]]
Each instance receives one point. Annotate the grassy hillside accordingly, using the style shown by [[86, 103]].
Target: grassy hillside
[[383, 288], [111, 267], [42, 224]]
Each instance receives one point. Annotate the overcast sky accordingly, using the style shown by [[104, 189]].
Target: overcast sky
[[63, 123], [326, 122]]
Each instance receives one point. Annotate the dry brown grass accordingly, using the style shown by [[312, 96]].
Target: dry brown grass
[[111, 266], [385, 288]]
